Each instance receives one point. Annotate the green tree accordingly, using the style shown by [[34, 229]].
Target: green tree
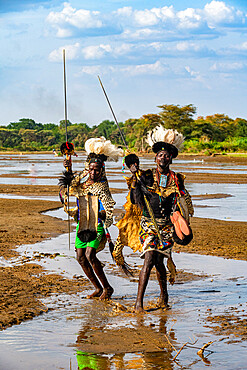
[[25, 123], [223, 123], [240, 127], [204, 130], [105, 128], [62, 123], [178, 118]]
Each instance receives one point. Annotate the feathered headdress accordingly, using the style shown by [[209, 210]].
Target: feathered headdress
[[165, 139], [103, 149]]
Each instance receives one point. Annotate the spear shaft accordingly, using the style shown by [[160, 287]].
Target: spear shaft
[[65, 94], [68, 157], [108, 101]]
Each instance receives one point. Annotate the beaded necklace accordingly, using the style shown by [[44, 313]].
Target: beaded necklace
[[164, 181]]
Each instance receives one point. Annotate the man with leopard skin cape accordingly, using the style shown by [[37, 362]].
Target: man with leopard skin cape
[[94, 210]]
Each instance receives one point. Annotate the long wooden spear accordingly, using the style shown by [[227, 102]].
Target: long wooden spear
[[145, 198], [67, 148], [115, 119]]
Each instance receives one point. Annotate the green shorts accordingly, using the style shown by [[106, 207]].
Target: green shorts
[[94, 243]]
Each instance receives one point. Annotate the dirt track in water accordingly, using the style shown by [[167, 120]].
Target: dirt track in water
[[21, 222]]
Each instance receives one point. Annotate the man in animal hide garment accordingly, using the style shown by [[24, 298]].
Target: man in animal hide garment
[[128, 226], [130, 223], [94, 210], [166, 206]]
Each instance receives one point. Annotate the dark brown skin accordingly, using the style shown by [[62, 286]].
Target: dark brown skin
[[163, 160], [87, 256], [153, 258], [134, 168], [95, 171]]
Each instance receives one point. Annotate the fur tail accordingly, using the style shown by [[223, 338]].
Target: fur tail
[[111, 249], [126, 269], [87, 236], [65, 179]]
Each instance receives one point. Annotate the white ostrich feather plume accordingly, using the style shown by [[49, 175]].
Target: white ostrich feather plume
[[159, 133], [100, 145]]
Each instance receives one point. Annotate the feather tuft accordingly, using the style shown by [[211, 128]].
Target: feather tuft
[[159, 133], [100, 145], [65, 179]]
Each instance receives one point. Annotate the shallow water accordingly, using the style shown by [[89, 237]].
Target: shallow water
[[50, 341], [46, 164], [34, 166]]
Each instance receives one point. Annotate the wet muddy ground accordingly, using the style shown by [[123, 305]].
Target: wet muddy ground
[[26, 285]]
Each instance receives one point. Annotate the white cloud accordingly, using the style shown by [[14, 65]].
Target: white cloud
[[100, 51], [70, 17], [218, 12], [165, 14], [63, 32], [142, 34], [189, 18], [196, 76], [156, 68], [96, 51], [227, 67], [215, 12], [122, 49], [183, 46], [91, 70], [139, 24], [188, 46], [124, 12], [145, 18], [72, 52], [158, 46], [242, 46]]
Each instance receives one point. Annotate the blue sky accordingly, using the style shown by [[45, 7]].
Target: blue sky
[[147, 53]]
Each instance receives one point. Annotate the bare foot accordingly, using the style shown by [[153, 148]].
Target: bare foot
[[163, 302], [95, 294], [107, 293], [139, 309]]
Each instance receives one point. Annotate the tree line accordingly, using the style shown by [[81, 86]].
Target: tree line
[[214, 133]]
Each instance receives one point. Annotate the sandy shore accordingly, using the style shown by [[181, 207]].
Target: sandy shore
[[22, 222]]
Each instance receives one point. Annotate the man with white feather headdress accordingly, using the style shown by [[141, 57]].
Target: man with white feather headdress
[[94, 210], [166, 206]]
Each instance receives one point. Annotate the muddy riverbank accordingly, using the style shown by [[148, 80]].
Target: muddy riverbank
[[22, 222]]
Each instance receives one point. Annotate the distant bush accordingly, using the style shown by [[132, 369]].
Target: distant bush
[[210, 134]]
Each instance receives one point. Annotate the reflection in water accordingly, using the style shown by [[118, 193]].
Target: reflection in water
[[91, 361], [160, 357]]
